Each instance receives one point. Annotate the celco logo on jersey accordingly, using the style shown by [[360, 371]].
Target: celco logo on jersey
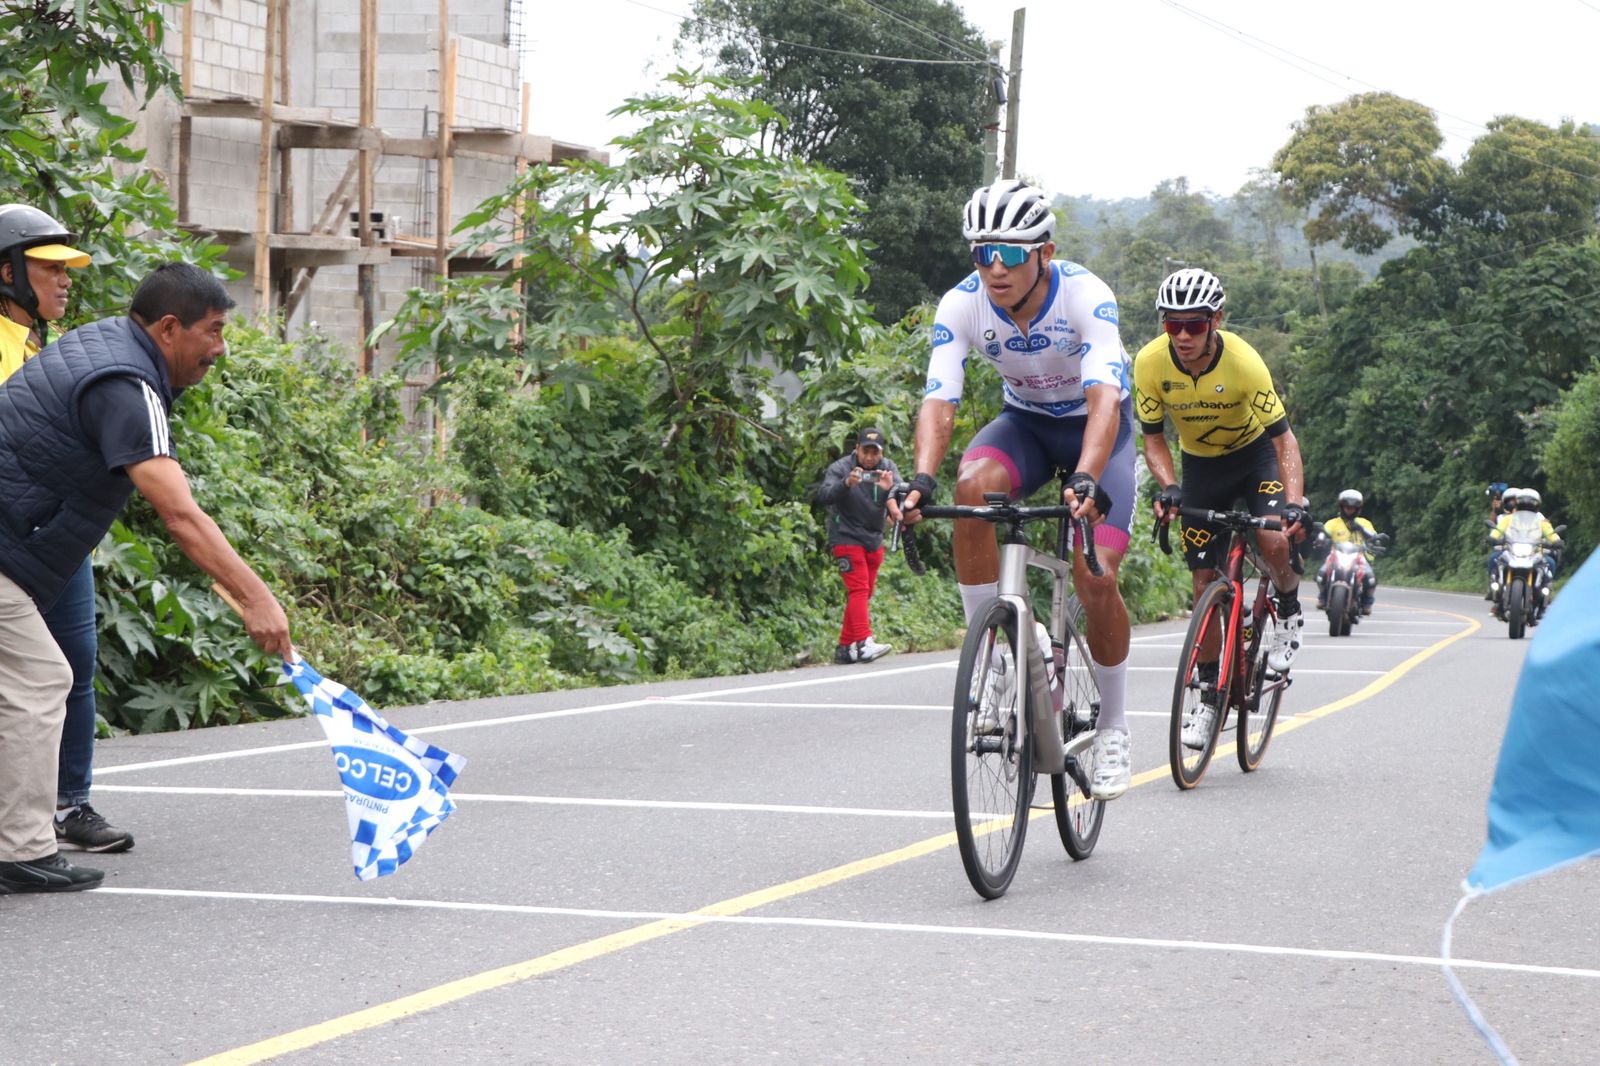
[[1034, 343], [1107, 311], [932, 385], [942, 335], [372, 773], [970, 283], [1069, 269]]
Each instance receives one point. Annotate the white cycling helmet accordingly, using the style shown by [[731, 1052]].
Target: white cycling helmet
[[1190, 289], [1530, 498], [1008, 212], [1508, 499], [1350, 498]]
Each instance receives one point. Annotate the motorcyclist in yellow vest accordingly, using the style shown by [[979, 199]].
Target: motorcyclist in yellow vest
[[1349, 527], [1523, 501]]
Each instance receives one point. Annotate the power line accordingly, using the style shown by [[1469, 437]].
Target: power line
[[832, 7], [746, 31], [957, 47], [1270, 49]]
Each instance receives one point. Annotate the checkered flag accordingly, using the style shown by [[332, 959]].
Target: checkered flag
[[396, 787]]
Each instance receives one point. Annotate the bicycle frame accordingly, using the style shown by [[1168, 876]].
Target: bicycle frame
[[1231, 662], [1016, 556]]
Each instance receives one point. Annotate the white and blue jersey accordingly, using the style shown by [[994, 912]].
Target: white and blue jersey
[[1071, 343]]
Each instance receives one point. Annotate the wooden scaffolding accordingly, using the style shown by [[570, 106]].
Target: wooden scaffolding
[[284, 261]]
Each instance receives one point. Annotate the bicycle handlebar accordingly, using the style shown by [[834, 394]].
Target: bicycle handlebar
[[1233, 520], [1009, 512]]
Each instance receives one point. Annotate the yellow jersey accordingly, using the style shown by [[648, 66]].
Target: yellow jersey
[[1339, 531], [16, 346], [1228, 406]]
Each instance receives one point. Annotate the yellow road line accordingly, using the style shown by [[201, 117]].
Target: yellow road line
[[454, 991]]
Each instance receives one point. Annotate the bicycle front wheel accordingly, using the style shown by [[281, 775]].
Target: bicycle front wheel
[[1078, 816], [1199, 704], [1260, 713], [991, 766]]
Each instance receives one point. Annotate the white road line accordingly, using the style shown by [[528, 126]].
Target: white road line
[[566, 712], [1320, 645], [1329, 954], [549, 801]]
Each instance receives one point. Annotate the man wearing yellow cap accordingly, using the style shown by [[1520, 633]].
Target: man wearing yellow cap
[[35, 254]]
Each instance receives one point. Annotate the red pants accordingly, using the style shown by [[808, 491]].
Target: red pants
[[859, 569]]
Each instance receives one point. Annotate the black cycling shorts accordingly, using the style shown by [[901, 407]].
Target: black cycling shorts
[[1217, 483]]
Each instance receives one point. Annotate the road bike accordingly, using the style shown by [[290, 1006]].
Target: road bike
[[1224, 658], [1007, 725]]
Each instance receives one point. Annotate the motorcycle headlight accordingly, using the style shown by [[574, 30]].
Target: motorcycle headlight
[[1522, 551]]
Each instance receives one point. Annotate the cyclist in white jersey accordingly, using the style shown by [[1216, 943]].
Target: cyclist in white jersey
[[1049, 328]]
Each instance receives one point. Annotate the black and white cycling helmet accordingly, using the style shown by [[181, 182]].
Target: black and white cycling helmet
[[1008, 212], [1350, 498], [1529, 500], [1190, 289]]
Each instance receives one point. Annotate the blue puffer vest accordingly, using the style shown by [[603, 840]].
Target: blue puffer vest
[[56, 498]]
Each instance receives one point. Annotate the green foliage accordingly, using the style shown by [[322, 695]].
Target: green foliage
[[1529, 181], [1369, 165], [909, 135], [64, 151], [1568, 459]]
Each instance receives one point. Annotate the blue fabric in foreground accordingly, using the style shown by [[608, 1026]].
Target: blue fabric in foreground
[[1544, 806]]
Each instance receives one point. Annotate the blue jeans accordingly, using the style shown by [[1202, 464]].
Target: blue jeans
[[72, 622]]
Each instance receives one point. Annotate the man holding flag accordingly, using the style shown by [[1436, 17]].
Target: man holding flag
[[83, 425]]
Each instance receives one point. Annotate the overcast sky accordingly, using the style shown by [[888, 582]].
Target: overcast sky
[[1121, 94]]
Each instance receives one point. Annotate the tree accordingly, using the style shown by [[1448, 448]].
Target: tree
[[64, 151], [1368, 164], [724, 259], [1530, 182], [908, 133]]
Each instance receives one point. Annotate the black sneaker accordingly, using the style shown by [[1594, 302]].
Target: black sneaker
[[85, 830], [49, 874], [844, 654]]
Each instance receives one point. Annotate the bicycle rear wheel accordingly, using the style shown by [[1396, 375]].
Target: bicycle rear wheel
[[1210, 621], [991, 768], [1078, 817], [1260, 712]]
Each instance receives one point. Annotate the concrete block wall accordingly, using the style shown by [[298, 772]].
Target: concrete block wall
[[488, 92], [324, 49], [230, 38]]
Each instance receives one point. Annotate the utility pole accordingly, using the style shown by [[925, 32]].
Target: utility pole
[[1014, 91], [991, 132]]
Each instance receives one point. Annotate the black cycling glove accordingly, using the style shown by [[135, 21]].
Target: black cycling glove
[[1293, 514], [925, 486], [1086, 488], [1170, 499]]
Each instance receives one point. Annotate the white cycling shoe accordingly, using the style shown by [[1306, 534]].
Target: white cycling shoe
[[1112, 765], [1286, 642]]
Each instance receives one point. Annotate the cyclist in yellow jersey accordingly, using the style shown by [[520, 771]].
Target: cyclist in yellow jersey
[[1236, 442]]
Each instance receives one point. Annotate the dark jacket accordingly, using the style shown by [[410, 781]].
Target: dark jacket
[[855, 516], [57, 500]]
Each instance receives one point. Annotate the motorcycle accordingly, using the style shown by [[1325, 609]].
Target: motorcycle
[[1521, 588], [1344, 574]]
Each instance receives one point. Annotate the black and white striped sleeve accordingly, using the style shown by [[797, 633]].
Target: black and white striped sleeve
[[126, 419]]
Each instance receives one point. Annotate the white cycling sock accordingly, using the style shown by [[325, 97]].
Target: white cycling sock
[[1113, 689], [975, 596]]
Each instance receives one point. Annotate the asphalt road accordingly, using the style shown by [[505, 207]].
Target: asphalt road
[[762, 869]]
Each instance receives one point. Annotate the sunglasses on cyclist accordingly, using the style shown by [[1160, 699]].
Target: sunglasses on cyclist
[[1011, 255], [1194, 327]]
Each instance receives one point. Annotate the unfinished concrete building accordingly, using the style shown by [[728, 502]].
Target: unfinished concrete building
[[332, 144]]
